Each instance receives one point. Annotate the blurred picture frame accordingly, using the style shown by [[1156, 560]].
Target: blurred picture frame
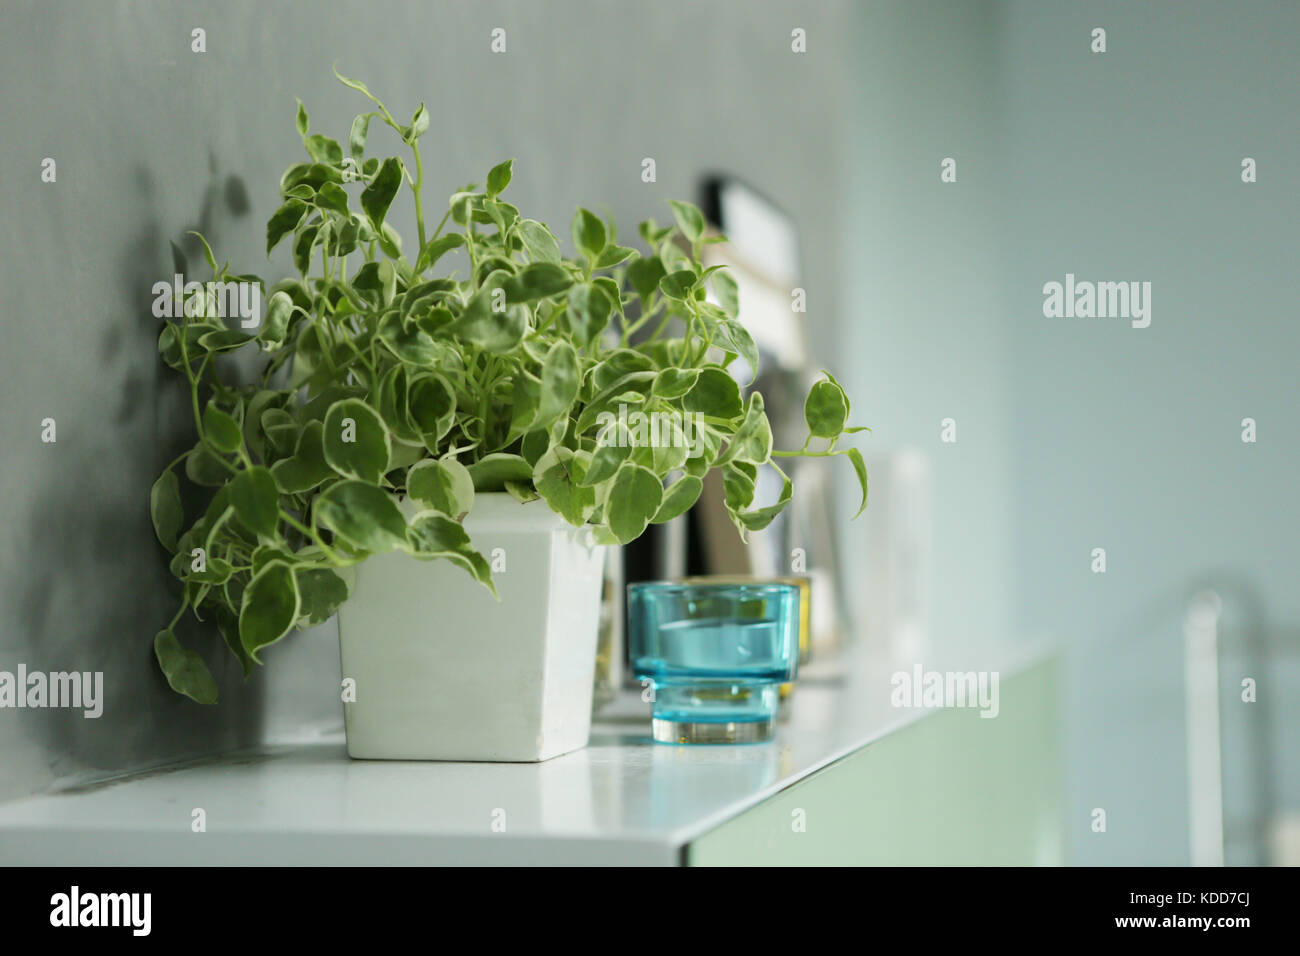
[[761, 252]]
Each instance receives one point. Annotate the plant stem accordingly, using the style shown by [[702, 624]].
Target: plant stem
[[630, 329], [313, 535], [660, 328], [419, 182], [806, 454], [185, 602], [178, 459], [189, 375], [437, 232]]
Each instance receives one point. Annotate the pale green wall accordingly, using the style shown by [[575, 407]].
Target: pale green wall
[[1126, 165], [925, 332], [1075, 434]]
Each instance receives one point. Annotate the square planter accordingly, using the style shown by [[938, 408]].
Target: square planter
[[444, 671]]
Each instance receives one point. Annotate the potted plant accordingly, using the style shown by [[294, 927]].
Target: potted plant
[[414, 428]]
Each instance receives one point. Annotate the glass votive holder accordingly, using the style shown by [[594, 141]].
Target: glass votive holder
[[805, 608], [715, 655], [805, 600]]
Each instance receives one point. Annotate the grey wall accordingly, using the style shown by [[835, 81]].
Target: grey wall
[[151, 139]]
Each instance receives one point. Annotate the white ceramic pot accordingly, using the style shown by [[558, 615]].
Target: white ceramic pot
[[444, 671]]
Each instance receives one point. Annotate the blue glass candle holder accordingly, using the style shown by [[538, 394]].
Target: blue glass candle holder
[[716, 656]]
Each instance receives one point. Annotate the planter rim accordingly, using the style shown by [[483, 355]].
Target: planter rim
[[499, 510]]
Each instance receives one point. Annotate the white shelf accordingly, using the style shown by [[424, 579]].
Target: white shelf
[[622, 800]]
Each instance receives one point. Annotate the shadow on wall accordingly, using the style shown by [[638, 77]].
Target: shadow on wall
[[94, 587]]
